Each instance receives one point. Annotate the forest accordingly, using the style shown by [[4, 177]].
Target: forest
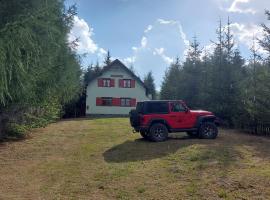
[[237, 90], [42, 80]]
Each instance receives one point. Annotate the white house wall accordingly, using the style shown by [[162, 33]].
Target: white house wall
[[94, 91]]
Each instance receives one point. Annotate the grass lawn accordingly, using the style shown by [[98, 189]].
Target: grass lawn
[[102, 159]]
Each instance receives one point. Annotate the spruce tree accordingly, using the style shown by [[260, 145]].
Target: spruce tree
[[150, 84], [107, 60]]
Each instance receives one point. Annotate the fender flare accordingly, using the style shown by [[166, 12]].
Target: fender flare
[[159, 120], [206, 118]]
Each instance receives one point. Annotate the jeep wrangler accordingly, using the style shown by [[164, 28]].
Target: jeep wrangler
[[155, 119]]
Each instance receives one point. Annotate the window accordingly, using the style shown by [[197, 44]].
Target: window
[[178, 107], [106, 82], [126, 102], [127, 83], [157, 107], [140, 107], [106, 101]]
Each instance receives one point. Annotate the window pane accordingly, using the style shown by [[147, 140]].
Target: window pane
[[157, 107], [122, 102], [107, 101], [127, 83], [125, 101], [177, 107], [128, 102]]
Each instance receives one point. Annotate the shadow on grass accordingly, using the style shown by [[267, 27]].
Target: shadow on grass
[[13, 139], [224, 149], [141, 149]]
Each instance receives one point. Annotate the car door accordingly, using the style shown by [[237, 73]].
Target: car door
[[179, 116]]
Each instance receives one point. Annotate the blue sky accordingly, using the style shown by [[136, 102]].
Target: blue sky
[[149, 34]]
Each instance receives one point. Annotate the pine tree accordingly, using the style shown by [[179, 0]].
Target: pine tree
[[150, 84], [192, 76], [171, 80], [107, 60]]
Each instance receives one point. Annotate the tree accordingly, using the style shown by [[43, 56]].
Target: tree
[[107, 60], [171, 79], [192, 76], [149, 82], [39, 72]]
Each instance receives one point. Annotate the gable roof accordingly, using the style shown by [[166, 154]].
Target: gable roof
[[119, 63]]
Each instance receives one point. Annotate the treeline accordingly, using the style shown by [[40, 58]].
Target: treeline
[[235, 89], [39, 71]]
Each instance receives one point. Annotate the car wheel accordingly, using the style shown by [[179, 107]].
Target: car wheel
[[158, 132], [193, 134], [208, 130], [145, 135]]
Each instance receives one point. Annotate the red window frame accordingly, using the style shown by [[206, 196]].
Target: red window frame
[[125, 102], [126, 83], [107, 101], [105, 82]]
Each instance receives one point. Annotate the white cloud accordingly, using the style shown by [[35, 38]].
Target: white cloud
[[83, 32], [246, 33], [101, 53], [161, 42], [129, 60], [149, 28], [160, 52], [248, 7], [238, 6], [144, 42]]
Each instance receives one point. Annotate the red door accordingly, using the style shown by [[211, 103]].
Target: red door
[[179, 116]]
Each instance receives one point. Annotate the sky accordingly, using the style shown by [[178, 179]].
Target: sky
[[150, 34]]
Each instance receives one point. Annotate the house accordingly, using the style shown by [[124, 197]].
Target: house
[[115, 91]]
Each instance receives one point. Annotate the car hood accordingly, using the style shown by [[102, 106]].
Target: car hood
[[201, 112]]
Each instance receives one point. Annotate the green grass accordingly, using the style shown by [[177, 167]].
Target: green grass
[[102, 159]]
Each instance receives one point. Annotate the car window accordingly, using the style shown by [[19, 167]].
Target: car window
[[157, 107], [139, 107], [178, 107]]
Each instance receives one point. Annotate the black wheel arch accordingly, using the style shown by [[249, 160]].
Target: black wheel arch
[[162, 121], [207, 118]]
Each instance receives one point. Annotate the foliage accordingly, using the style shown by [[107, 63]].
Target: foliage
[[238, 93], [107, 60], [38, 68], [150, 84]]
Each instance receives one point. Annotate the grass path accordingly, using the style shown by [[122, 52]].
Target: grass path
[[102, 159]]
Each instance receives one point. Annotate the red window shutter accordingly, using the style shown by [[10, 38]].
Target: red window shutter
[[112, 83], [133, 102], [100, 82], [98, 101], [116, 101], [121, 83], [132, 83]]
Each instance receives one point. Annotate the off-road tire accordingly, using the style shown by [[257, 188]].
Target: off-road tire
[[208, 130], [158, 132], [193, 134]]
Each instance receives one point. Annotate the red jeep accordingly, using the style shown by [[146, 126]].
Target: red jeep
[[155, 119]]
